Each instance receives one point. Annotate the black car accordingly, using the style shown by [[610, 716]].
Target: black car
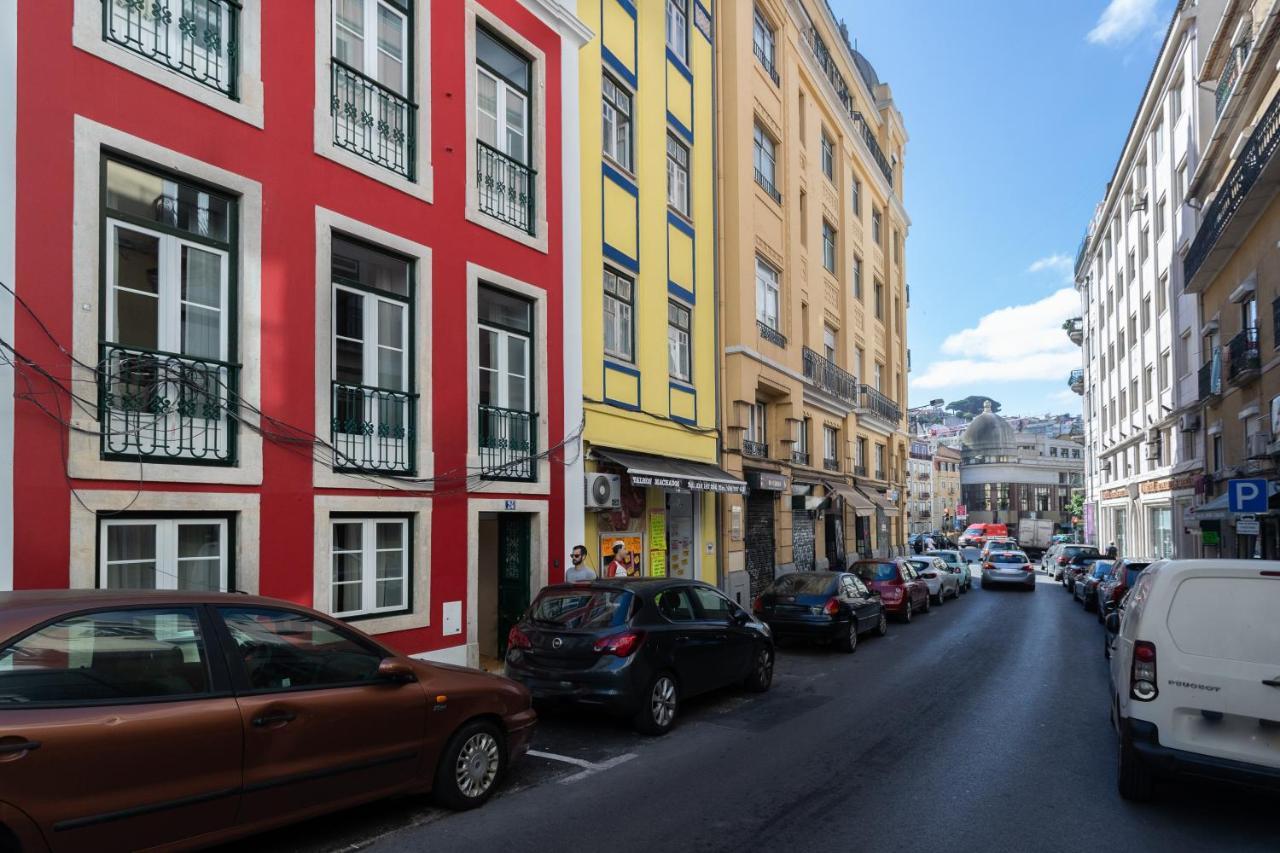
[[1076, 568], [637, 647], [832, 607], [1086, 586]]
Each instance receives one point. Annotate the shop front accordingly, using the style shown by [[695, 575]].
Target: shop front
[[850, 508], [666, 517], [765, 490], [1244, 536], [886, 515]]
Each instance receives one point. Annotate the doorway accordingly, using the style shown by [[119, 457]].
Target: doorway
[[502, 589], [682, 524], [835, 540]]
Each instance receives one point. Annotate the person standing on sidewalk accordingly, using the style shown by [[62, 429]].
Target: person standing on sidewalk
[[579, 571]]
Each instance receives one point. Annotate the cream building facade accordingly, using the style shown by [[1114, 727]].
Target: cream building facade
[[813, 296], [945, 486]]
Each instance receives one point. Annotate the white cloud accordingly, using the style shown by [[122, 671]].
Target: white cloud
[[1061, 263], [1123, 20], [1014, 343]]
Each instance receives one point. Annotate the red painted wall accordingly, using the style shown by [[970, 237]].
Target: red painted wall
[[56, 81]]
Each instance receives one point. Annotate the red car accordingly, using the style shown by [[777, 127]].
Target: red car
[[1112, 588], [902, 591]]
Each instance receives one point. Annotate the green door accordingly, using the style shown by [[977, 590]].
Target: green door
[[513, 574]]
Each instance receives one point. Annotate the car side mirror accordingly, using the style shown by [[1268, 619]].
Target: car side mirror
[[396, 671], [740, 617], [1113, 623]]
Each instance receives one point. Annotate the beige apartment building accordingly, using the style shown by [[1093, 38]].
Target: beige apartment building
[[1233, 266], [945, 487], [813, 296]]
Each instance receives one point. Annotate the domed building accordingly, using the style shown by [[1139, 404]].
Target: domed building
[[1007, 475]]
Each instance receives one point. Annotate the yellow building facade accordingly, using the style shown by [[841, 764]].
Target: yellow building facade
[[813, 296], [649, 287]]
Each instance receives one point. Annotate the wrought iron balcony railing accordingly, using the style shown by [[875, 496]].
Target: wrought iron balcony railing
[[770, 334], [371, 120], [758, 449], [800, 457], [860, 470], [196, 38], [1230, 75], [1075, 330], [1076, 380], [507, 188], [878, 404], [373, 429], [1210, 376], [766, 62], [825, 374], [831, 464], [1244, 358], [508, 444], [767, 186], [166, 407], [1253, 157]]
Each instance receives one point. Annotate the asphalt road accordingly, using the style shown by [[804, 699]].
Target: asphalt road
[[981, 726]]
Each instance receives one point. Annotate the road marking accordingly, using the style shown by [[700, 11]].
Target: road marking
[[597, 768], [577, 762]]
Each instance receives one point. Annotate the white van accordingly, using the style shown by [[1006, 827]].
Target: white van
[[1195, 674]]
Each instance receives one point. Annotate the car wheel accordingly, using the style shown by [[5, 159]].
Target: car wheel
[[657, 713], [848, 642], [470, 766], [761, 676], [928, 603], [883, 627], [942, 597], [1134, 778], [907, 613]]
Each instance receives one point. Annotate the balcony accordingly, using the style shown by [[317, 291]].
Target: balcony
[[800, 457], [770, 334], [1076, 380], [371, 120], [373, 429], [1235, 201], [1082, 252], [1230, 75], [198, 39], [831, 465], [755, 449], [165, 407], [859, 470], [507, 188], [768, 187], [1244, 359], [1075, 330], [766, 62], [871, 400], [823, 373], [508, 444], [1211, 376]]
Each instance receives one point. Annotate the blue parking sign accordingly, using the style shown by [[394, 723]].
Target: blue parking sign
[[1247, 495]]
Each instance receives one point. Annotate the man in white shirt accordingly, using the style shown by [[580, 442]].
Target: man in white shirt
[[579, 571]]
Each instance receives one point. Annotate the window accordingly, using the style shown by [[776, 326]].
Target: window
[[371, 102], [756, 415], [1133, 330], [855, 195], [675, 605], [860, 456], [619, 325], [167, 357], [1175, 101], [678, 29], [828, 157], [369, 566], [878, 289], [1146, 313], [1164, 370], [1144, 243], [1162, 216], [1217, 452], [1157, 141], [1180, 185], [879, 461], [503, 154], [170, 553], [766, 294], [198, 42], [857, 277], [507, 420], [677, 175], [800, 112], [829, 343], [804, 218], [765, 158], [1122, 407], [1133, 269], [1162, 293], [802, 440], [762, 44], [284, 650], [373, 407], [878, 376], [875, 225], [831, 447], [714, 606], [1146, 383], [617, 122], [1133, 395], [93, 659], [678, 329], [828, 247]]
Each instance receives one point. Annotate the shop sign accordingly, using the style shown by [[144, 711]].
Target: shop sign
[[1209, 537], [766, 482], [1168, 484], [962, 511], [1247, 525], [1115, 494], [689, 484]]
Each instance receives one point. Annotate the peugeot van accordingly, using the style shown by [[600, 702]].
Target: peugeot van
[[1195, 674]]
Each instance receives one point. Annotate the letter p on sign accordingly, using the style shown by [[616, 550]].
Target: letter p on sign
[[1247, 495]]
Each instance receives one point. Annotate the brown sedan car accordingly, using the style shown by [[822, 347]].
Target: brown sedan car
[[133, 720]]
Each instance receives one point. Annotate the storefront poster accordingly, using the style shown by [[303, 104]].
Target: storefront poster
[[634, 543], [657, 543]]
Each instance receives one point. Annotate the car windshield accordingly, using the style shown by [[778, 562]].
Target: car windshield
[[948, 556], [1076, 550], [1008, 557], [589, 608], [876, 571], [1131, 573], [1100, 569], [802, 583], [922, 565]]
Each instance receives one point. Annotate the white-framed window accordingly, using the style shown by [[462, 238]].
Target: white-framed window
[[802, 437], [764, 155], [762, 42], [1162, 215], [829, 343], [505, 183], [677, 175], [857, 277], [830, 444], [372, 82], [678, 29], [828, 246], [876, 226], [617, 122], [619, 322], [1175, 101], [1157, 141], [855, 196], [860, 455], [879, 461], [756, 416], [370, 565], [766, 294], [828, 157], [679, 329], [878, 376], [187, 553], [878, 288], [372, 38], [199, 40], [506, 332]]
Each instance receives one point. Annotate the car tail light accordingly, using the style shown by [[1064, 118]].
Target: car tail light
[[988, 565], [1027, 568], [1142, 674], [620, 645], [516, 639], [929, 575], [757, 606], [832, 607], [1062, 561]]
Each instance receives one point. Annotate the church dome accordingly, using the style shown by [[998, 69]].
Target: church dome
[[989, 433]]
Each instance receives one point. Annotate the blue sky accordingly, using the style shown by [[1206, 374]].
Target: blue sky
[[1016, 110]]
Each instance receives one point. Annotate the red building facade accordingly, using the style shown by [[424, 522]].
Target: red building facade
[[291, 285]]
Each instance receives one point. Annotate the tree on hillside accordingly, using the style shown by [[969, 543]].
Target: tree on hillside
[[971, 406]]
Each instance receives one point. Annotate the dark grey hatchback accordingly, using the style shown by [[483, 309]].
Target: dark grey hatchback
[[637, 647]]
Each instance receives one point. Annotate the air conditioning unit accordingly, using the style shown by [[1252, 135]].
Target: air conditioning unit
[[1153, 450], [604, 491], [1259, 445], [1189, 422]]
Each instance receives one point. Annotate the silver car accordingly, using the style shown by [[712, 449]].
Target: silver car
[[1010, 568], [958, 564], [943, 583]]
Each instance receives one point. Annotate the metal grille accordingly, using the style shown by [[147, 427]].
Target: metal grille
[[508, 444], [371, 120], [507, 187], [373, 429], [195, 38]]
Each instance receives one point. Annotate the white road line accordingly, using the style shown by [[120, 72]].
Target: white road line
[[579, 762], [597, 768]]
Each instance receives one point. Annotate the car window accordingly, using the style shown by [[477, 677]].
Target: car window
[[112, 656], [581, 608], [714, 606], [675, 605], [283, 650], [1008, 557], [801, 583], [857, 587], [876, 571], [908, 572]]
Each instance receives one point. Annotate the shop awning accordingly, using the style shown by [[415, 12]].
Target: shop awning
[[662, 472], [890, 510], [1218, 508], [855, 499]]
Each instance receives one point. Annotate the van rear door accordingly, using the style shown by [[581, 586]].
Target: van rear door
[[1222, 673]]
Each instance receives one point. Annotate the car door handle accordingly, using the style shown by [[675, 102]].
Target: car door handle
[[276, 717], [19, 746]]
